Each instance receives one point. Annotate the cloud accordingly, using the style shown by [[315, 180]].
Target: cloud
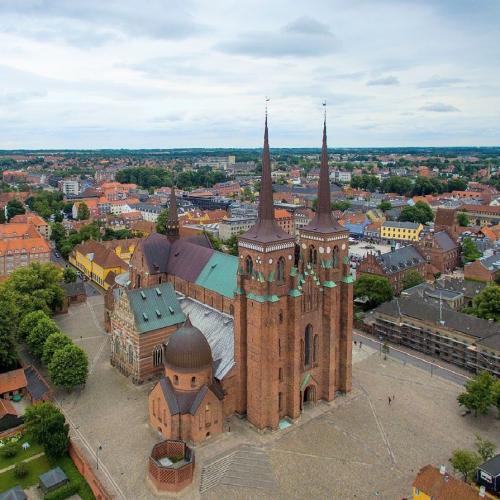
[[439, 107], [384, 81], [438, 82], [303, 37]]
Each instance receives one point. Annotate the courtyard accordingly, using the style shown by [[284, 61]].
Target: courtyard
[[359, 446]]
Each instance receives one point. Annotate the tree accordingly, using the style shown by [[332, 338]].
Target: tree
[[15, 207], [214, 241], [57, 232], [28, 323], [376, 289], [456, 184], [83, 212], [8, 318], [46, 425], [69, 367], [486, 304], [232, 245], [341, 205], [161, 223], [462, 219], [469, 250], [478, 395], [69, 275], [385, 206], [495, 395], [412, 278], [3, 219], [486, 449], [54, 342], [40, 333], [395, 184], [466, 462], [420, 213]]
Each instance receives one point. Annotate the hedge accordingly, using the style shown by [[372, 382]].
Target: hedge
[[63, 492]]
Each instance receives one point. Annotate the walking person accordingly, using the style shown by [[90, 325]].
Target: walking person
[[389, 400], [360, 343]]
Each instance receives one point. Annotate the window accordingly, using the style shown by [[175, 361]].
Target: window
[[313, 255], [117, 345], [249, 265], [335, 256], [157, 355], [280, 401], [193, 381], [315, 349], [280, 374], [138, 281], [280, 270], [208, 416], [307, 345], [176, 380], [130, 355], [280, 317]]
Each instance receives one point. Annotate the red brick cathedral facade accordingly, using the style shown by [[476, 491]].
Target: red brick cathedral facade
[[293, 311]]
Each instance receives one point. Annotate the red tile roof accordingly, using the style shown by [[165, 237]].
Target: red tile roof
[[12, 381]]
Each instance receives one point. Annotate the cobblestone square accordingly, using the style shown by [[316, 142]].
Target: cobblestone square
[[357, 447]]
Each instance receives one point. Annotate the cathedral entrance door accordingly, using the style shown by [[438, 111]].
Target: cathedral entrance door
[[309, 396]]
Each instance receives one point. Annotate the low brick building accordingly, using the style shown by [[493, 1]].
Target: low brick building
[[394, 265], [21, 252], [441, 253], [486, 269]]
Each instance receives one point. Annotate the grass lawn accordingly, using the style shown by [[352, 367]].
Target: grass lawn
[[34, 449], [41, 465]]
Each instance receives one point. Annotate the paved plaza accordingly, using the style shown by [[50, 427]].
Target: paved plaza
[[357, 447]]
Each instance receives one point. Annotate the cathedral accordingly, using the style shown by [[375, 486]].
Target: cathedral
[[260, 334]]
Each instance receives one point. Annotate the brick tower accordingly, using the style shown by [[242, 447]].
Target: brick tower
[[293, 316], [172, 225]]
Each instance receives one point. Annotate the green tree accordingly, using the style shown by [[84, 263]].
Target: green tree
[[54, 342], [40, 333], [46, 425], [478, 395], [486, 304], [57, 232], [456, 184], [376, 289], [495, 395], [161, 223], [8, 351], [341, 205], [465, 462], [421, 213], [485, 448], [214, 241], [69, 367], [412, 278], [232, 245], [3, 219], [398, 185], [462, 219], [69, 275], [15, 207], [385, 206], [83, 212], [470, 252], [29, 321]]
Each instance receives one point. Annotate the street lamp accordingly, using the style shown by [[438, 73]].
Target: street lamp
[[99, 448]]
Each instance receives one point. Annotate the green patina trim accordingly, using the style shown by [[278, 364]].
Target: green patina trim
[[329, 284], [294, 293], [293, 271], [257, 298], [240, 291], [348, 279], [345, 260], [270, 278], [273, 298], [305, 381], [306, 273], [260, 277]]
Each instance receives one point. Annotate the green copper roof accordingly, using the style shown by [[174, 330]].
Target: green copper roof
[[260, 277], [263, 298], [270, 278], [305, 381], [219, 274], [155, 307], [294, 293], [293, 271], [273, 298], [329, 284], [348, 279]]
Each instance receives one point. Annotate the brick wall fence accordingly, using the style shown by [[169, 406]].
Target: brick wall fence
[[87, 472], [12, 432], [170, 478]]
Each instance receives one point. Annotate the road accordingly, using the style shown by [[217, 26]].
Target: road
[[413, 358]]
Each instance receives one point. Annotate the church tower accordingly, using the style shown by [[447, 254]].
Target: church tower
[[172, 225], [293, 320]]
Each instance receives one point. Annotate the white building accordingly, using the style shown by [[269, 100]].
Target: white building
[[234, 225], [70, 187]]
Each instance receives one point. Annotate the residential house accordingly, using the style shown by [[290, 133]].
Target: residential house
[[484, 269], [400, 231]]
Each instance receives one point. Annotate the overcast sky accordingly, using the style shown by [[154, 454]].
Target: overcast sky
[[193, 73]]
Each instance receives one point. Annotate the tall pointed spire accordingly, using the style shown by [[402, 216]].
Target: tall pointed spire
[[323, 220], [266, 228], [172, 225]]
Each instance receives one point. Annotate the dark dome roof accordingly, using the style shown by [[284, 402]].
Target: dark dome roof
[[188, 348]]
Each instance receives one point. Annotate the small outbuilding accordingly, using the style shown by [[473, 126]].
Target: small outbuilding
[[488, 474], [16, 493], [53, 479], [8, 416]]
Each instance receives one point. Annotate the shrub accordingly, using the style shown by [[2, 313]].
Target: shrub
[[10, 450], [20, 470], [64, 491]]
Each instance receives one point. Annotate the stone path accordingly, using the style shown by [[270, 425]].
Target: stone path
[[248, 466], [29, 459]]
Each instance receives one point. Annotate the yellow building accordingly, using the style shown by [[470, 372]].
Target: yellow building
[[97, 262], [402, 231], [433, 483], [122, 248]]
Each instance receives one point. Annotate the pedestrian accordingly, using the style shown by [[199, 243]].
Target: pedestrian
[[360, 344], [389, 400], [355, 343]]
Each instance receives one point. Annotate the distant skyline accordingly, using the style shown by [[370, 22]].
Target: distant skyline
[[182, 74]]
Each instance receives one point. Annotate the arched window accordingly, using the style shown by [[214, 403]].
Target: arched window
[[231, 310], [280, 270], [176, 380], [313, 255], [138, 281], [157, 355], [307, 345], [193, 381], [130, 354], [280, 317], [315, 349], [335, 256], [117, 346], [249, 265]]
